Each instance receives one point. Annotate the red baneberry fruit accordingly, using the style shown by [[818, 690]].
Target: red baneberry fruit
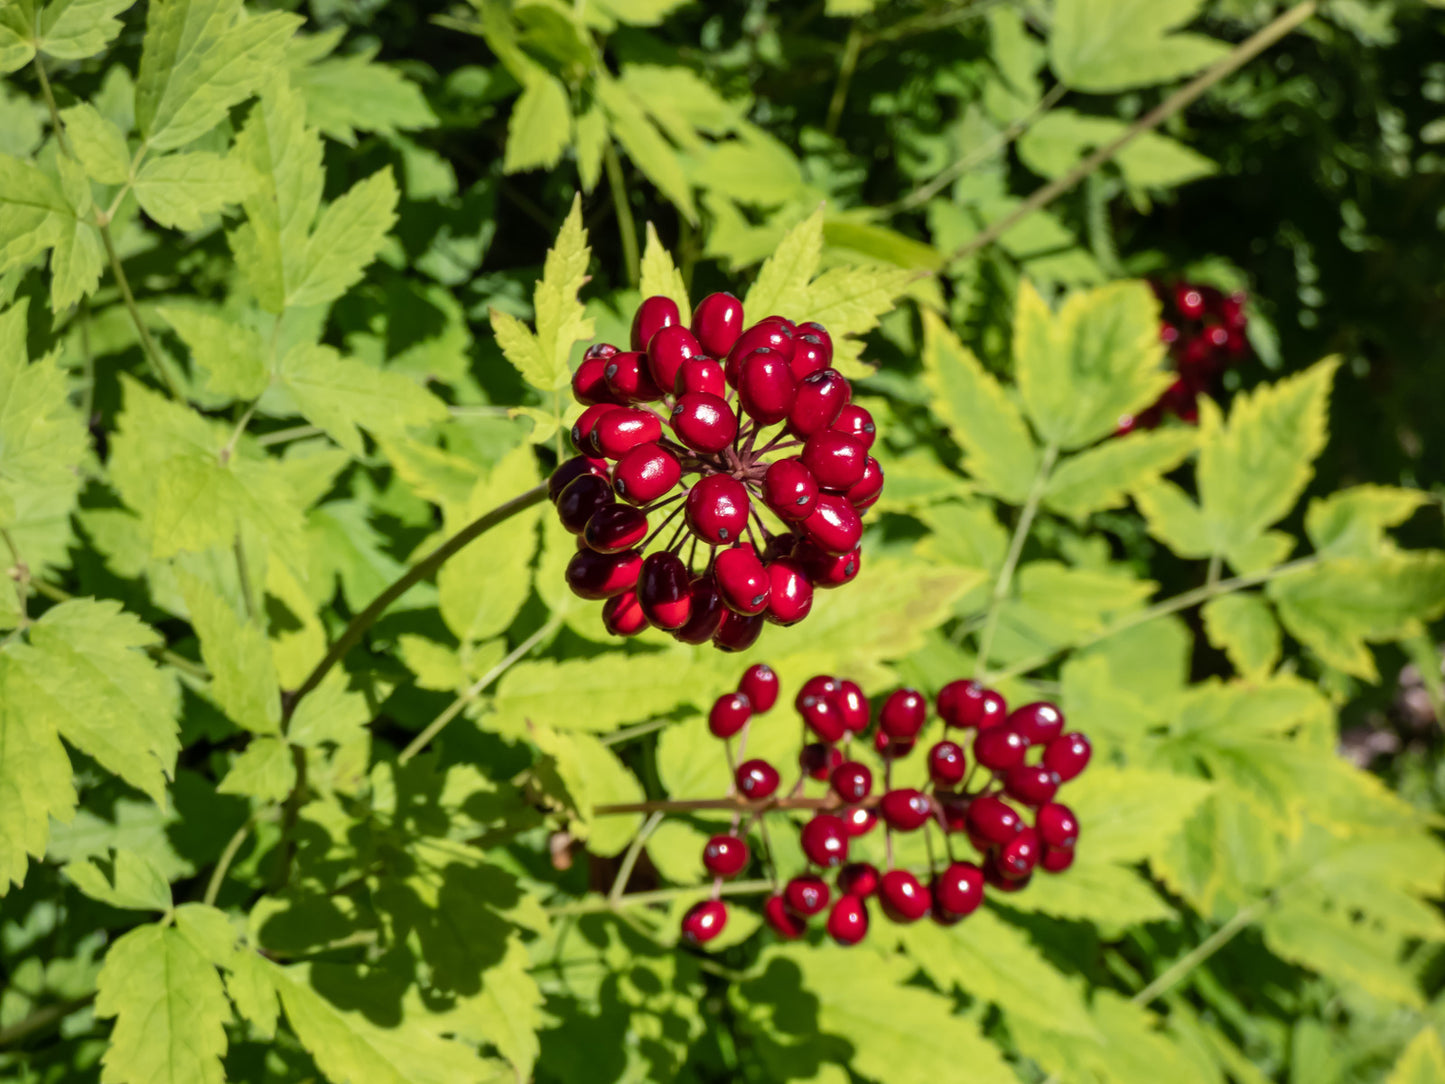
[[736, 632], [760, 685], [1031, 785], [1056, 824], [864, 493], [665, 590], [822, 717], [790, 490], [756, 780], [622, 615], [903, 897], [833, 524], [669, 349], [807, 895], [629, 379], [1018, 857], [704, 921], [958, 890], [993, 819], [784, 923], [717, 509], [729, 714], [1038, 723], [704, 422], [583, 428], [820, 399], [852, 781], [853, 706], [856, 423], [999, 749], [700, 374], [571, 469], [725, 856], [581, 500], [742, 579], [827, 569], [824, 841], [654, 314], [645, 473], [903, 714], [818, 759], [858, 821], [905, 809], [597, 575], [946, 764], [614, 528], [766, 387], [717, 322], [848, 921], [619, 431], [705, 612], [1068, 755], [858, 879], [1057, 859], [790, 592]]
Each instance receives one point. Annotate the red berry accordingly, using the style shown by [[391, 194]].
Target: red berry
[[1031, 785], [582, 428], [725, 856], [946, 764], [958, 890], [891, 748], [742, 580], [954, 811], [864, 493], [622, 615], [600, 352], [614, 528], [1056, 824], [818, 759], [589, 382], [999, 749], [1057, 859], [957, 701], [737, 633], [645, 473], [667, 351], [806, 895], [859, 820], [820, 336], [996, 878], [810, 354], [992, 710], [821, 398], [730, 713], [760, 686], [822, 717], [1038, 723], [828, 569], [654, 314], [717, 322], [704, 422], [761, 336], [705, 612], [790, 489], [629, 379], [581, 499], [825, 841], [853, 705], [619, 431], [1018, 856], [766, 388], [756, 779], [992, 819], [848, 921], [572, 469], [834, 524], [836, 459], [1068, 755], [903, 714], [700, 374], [856, 423], [704, 921], [784, 923], [1189, 300], [790, 592], [858, 879], [665, 590], [817, 687], [904, 899], [593, 575], [905, 809], [852, 781], [717, 509]]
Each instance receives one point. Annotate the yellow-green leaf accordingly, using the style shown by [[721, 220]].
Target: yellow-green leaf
[[1242, 626], [660, 276], [1101, 477]]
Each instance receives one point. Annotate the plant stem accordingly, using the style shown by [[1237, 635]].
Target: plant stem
[[42, 1018], [424, 568], [626, 225], [1201, 952], [634, 851], [851, 50], [1041, 197], [233, 847], [1010, 563], [20, 573], [617, 737], [420, 742]]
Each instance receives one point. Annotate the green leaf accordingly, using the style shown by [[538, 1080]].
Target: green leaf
[[1130, 812], [1098, 360], [199, 59], [180, 191], [1352, 522], [169, 1007], [134, 882], [1173, 518], [782, 283], [640, 12], [1242, 626], [77, 264], [17, 44], [561, 317], [98, 143], [1107, 894], [1422, 1061], [540, 126], [1102, 46], [1131, 1047], [342, 395], [650, 152], [1334, 944], [1254, 466], [614, 695], [660, 275], [985, 422], [248, 981], [233, 356], [264, 771], [1101, 477], [593, 776], [1059, 139], [349, 94], [1337, 607], [33, 212], [848, 301], [346, 240], [35, 780], [76, 29]]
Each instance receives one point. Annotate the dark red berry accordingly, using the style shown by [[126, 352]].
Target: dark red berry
[[903, 897], [742, 580], [835, 459], [589, 382], [1018, 856], [856, 423], [905, 809], [645, 473], [582, 429], [954, 811], [993, 819], [784, 923], [1056, 859], [790, 489], [1189, 300], [705, 613], [756, 779], [572, 469], [790, 592], [825, 841], [957, 703], [818, 759], [891, 748], [763, 335], [859, 820], [581, 499], [999, 749], [700, 374], [766, 387], [760, 685], [946, 764], [820, 685], [654, 314], [958, 890], [619, 431], [1056, 824], [599, 352], [995, 877], [665, 590], [858, 879], [630, 380], [704, 422], [810, 354], [852, 781], [853, 705], [725, 856], [704, 921], [992, 710], [622, 615], [903, 714], [820, 336], [864, 493], [1031, 785], [822, 717], [1038, 723], [717, 322], [833, 525], [821, 398], [828, 569], [730, 713], [848, 921], [614, 528], [717, 509], [667, 351], [736, 632], [1068, 755], [806, 895], [594, 575]]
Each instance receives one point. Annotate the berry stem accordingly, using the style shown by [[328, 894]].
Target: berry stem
[[660, 528], [629, 860], [663, 502], [1181, 967]]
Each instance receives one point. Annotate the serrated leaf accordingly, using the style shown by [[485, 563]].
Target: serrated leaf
[[593, 776], [1102, 46], [33, 211], [1242, 626], [98, 143], [76, 265], [1100, 478], [1131, 1047], [1336, 945], [561, 317], [1173, 518], [1352, 522], [1422, 1061], [660, 275], [520, 347], [264, 771], [346, 240], [248, 981], [540, 126], [783, 282], [1129, 812], [985, 422], [1104, 893], [848, 302], [169, 1007], [134, 882], [233, 356], [35, 778], [614, 695], [1058, 140], [243, 675], [76, 29], [342, 395], [349, 94], [181, 190], [650, 152], [199, 58]]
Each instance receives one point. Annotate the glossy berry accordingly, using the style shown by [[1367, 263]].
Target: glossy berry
[[958, 890], [669, 349], [858, 821], [705, 612], [729, 714], [630, 380], [996, 878], [571, 469], [1056, 825], [645, 473], [1038, 723], [622, 615], [828, 569], [903, 897], [717, 509], [824, 841], [760, 685], [833, 524], [820, 335], [790, 592], [818, 759], [858, 879], [725, 856], [589, 382], [790, 490], [905, 809], [1031, 785], [700, 374], [835, 459], [783, 922], [946, 764], [807, 895], [756, 779], [583, 428], [704, 921], [891, 748], [766, 387], [1189, 300], [1056, 859], [654, 314], [743, 580], [957, 702], [864, 493], [852, 781], [821, 716], [614, 528], [999, 749], [763, 335], [717, 322], [816, 687], [810, 354], [665, 590], [856, 423], [993, 819], [1017, 857], [853, 706], [1068, 755], [736, 632], [821, 398], [582, 498], [703, 422], [903, 714], [619, 431], [593, 575], [992, 710], [848, 920]]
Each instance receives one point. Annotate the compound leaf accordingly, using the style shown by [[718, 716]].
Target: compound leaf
[[181, 190], [1101, 46]]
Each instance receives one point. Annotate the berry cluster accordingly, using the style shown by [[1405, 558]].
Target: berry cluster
[[1010, 817], [759, 421], [1204, 331]]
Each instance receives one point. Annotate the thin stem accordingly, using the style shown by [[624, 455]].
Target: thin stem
[[233, 847], [1043, 196], [1216, 563], [851, 50], [1015, 549], [629, 860], [478, 687], [626, 225], [628, 733], [236, 434], [148, 346], [1181, 967], [243, 575], [20, 573], [282, 436], [41, 1019], [418, 572]]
